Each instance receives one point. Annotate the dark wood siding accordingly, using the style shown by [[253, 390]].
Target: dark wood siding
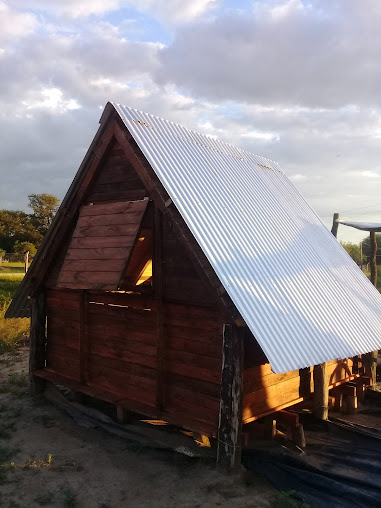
[[116, 180], [180, 278]]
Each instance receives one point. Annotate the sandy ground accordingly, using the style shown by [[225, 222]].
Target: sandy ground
[[49, 460]]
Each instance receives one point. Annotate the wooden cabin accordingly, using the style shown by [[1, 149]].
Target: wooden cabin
[[139, 313]]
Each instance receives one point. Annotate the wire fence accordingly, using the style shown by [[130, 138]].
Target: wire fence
[[12, 257]]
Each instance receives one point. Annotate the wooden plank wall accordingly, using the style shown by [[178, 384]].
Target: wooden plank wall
[[122, 348], [193, 359], [116, 179], [181, 281], [63, 327], [265, 392], [122, 353]]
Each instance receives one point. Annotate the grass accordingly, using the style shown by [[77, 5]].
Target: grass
[[12, 331], [45, 498], [6, 454], [8, 287], [12, 268], [70, 498], [16, 384]]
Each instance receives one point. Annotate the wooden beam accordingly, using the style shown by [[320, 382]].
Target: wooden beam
[[37, 342], [320, 409], [230, 420]]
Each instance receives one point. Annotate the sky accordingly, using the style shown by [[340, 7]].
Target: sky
[[296, 81]]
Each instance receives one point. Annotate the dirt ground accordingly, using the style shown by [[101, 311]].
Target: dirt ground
[[49, 460]]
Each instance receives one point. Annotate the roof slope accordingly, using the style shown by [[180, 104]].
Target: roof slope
[[301, 295]]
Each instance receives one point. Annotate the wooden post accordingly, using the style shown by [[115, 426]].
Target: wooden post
[[335, 224], [373, 258], [370, 364], [26, 261], [320, 409], [230, 420], [370, 359], [37, 342]]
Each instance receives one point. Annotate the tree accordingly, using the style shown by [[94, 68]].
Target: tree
[[366, 247], [23, 247], [2, 254], [44, 208], [16, 226], [354, 251]]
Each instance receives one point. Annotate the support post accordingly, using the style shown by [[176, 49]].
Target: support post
[[370, 364], [373, 258], [370, 359], [26, 261], [320, 409], [335, 224], [230, 420], [37, 342]]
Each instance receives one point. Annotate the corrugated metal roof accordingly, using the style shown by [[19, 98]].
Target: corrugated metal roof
[[301, 295], [363, 226]]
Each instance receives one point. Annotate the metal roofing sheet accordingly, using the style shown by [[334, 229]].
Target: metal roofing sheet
[[301, 295], [363, 226]]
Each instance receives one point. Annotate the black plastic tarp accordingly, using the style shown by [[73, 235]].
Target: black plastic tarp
[[341, 467]]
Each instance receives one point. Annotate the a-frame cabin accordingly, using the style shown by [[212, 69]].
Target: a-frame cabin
[[168, 283]]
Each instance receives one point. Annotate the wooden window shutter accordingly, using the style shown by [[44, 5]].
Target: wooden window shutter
[[101, 244]]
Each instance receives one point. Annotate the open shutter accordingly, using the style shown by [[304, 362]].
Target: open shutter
[[101, 244]]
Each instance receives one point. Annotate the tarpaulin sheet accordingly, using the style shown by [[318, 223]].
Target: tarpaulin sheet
[[341, 467]]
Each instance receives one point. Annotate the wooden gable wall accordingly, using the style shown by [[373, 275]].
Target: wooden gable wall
[[114, 181]]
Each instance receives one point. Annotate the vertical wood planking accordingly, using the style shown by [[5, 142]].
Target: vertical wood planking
[[37, 342], [158, 288], [230, 420], [320, 409], [83, 349]]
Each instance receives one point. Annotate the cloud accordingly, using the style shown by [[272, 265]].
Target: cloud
[[321, 54], [294, 81], [15, 24], [70, 8], [173, 11]]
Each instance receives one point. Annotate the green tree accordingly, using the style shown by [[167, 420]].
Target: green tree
[[44, 208], [2, 254], [16, 226], [366, 247], [354, 251], [23, 247]]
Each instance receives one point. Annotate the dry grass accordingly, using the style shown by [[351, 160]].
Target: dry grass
[[12, 331]]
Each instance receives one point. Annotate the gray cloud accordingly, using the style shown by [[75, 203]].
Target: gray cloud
[[323, 54], [297, 84]]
